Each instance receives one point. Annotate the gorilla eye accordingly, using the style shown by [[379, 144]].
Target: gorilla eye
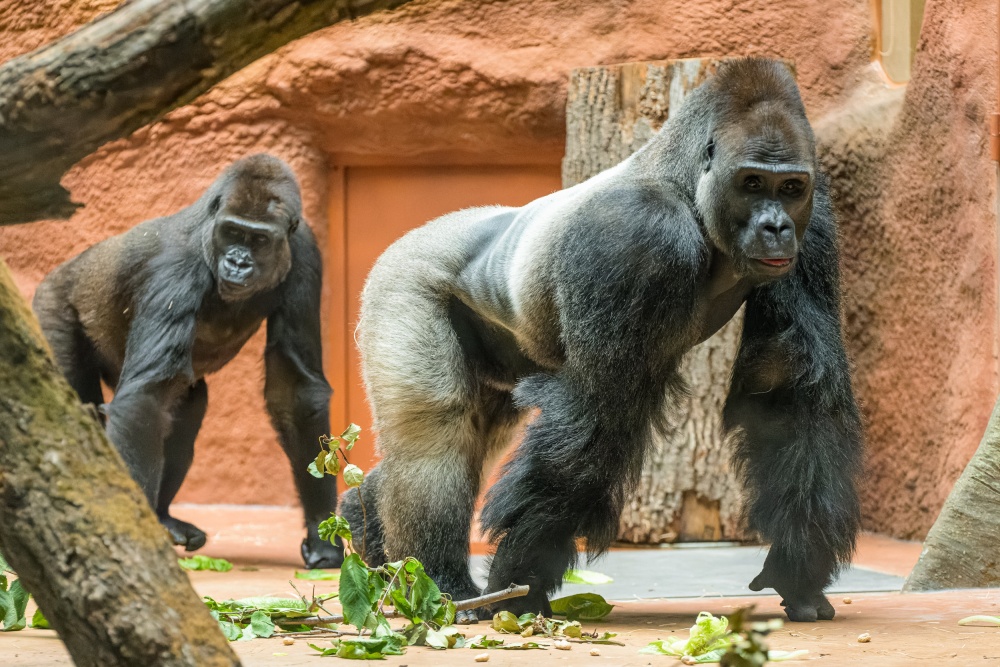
[[752, 183], [792, 188], [259, 240]]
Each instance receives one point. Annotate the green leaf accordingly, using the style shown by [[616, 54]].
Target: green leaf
[[365, 648], [333, 527], [709, 634], [355, 592], [350, 436], [425, 596], [247, 634], [482, 641], [582, 607], [318, 575], [353, 475], [332, 464], [13, 602], [440, 640], [446, 614], [231, 631], [586, 577], [39, 621], [205, 563], [324, 652], [402, 605], [506, 622], [314, 469], [522, 646], [262, 624]]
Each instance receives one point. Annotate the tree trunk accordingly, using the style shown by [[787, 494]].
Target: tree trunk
[[77, 529], [125, 70], [687, 492], [962, 549]]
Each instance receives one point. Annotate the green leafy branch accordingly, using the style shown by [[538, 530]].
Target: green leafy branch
[[14, 603], [331, 450]]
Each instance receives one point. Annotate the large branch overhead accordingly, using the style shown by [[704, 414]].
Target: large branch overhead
[[125, 70]]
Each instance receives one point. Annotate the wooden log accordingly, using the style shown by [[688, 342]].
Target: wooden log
[[687, 491], [77, 529], [962, 549]]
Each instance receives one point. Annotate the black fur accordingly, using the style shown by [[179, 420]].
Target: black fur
[[582, 304], [154, 310]]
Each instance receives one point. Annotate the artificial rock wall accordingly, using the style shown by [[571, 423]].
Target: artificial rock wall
[[450, 81]]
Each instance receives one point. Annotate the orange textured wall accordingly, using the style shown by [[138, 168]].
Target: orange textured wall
[[466, 81]]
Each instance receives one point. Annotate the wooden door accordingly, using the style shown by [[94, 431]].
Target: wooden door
[[370, 208]]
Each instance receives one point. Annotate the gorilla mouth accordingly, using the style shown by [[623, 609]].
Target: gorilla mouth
[[778, 263]]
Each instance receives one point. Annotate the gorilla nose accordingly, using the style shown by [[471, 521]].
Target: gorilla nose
[[237, 270], [780, 230]]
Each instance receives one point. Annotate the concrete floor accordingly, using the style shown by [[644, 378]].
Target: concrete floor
[[906, 630]]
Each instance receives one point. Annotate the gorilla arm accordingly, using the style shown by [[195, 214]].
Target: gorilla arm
[[798, 432], [157, 364], [297, 393]]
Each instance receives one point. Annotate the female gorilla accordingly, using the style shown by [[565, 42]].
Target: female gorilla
[[582, 304]]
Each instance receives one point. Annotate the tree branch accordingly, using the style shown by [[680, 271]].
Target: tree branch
[[462, 605], [75, 527], [125, 70]]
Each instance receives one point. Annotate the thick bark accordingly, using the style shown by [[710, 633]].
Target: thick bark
[[962, 549], [77, 529], [125, 70], [687, 492]]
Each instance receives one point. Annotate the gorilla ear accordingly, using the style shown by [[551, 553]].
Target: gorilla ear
[[213, 206], [293, 225], [709, 154]]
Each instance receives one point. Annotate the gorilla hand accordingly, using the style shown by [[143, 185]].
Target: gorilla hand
[[320, 554]]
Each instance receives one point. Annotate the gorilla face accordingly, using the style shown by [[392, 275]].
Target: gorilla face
[[755, 194], [252, 219]]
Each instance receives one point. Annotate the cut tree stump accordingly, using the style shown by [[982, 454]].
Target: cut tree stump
[[687, 491], [962, 549]]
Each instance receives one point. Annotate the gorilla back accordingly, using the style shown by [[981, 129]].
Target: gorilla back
[[154, 310], [582, 304]]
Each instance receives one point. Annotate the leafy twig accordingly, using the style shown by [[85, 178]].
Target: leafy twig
[[462, 605]]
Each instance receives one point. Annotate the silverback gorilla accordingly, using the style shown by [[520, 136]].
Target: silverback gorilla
[[156, 309], [582, 304]]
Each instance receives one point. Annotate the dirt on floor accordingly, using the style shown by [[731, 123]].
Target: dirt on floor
[[912, 629]]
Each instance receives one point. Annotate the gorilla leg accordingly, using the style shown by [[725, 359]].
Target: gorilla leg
[[435, 478], [178, 451], [567, 479]]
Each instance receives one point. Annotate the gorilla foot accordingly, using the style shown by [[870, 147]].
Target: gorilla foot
[[467, 617], [459, 592], [816, 608], [534, 603], [320, 554], [800, 608], [187, 535]]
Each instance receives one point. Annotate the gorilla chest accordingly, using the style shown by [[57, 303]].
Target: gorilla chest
[[218, 338]]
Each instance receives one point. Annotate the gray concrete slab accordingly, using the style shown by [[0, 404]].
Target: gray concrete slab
[[694, 571]]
